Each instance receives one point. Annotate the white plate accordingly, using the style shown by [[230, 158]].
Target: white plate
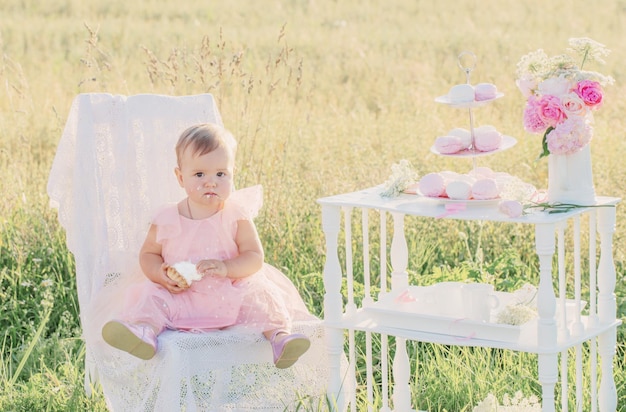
[[465, 105], [447, 200], [507, 143], [468, 202]]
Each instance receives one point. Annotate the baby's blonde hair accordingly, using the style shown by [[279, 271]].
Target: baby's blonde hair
[[204, 138]]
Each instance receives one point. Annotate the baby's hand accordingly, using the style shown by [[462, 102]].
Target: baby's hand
[[212, 267], [168, 283]]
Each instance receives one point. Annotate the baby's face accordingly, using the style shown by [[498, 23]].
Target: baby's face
[[207, 178]]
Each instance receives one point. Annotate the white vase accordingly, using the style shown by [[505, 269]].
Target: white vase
[[570, 178]]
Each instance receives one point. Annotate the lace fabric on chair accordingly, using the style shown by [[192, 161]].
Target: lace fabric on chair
[[113, 169]]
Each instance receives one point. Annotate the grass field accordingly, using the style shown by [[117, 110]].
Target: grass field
[[323, 96]]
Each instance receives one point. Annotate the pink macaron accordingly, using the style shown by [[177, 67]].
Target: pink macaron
[[432, 185], [485, 91], [487, 139], [484, 189], [463, 134], [449, 144]]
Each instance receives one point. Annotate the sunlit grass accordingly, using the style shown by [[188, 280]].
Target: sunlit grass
[[323, 97]]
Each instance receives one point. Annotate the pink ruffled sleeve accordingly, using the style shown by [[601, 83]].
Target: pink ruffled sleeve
[[167, 222], [244, 204]]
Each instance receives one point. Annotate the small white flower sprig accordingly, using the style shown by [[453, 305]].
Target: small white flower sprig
[[517, 403], [402, 176], [522, 309]]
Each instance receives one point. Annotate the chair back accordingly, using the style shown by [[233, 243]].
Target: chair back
[[113, 168]]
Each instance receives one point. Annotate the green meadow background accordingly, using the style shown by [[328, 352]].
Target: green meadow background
[[323, 96]]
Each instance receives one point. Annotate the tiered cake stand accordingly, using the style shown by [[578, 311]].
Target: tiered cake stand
[[467, 63]]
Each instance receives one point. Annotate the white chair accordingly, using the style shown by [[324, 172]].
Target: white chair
[[113, 168]]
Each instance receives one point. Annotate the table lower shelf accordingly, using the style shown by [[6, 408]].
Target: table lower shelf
[[460, 332]]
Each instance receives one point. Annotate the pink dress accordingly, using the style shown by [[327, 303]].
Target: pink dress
[[263, 301]]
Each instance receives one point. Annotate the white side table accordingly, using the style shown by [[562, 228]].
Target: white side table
[[551, 335]]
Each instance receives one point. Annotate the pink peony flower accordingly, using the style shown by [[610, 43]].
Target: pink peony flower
[[570, 136], [550, 110], [590, 92], [533, 122]]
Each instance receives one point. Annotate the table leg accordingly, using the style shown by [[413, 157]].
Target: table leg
[[546, 308], [331, 218], [607, 308], [401, 373], [399, 280]]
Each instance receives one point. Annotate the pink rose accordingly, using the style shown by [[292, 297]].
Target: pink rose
[[590, 92], [570, 136], [533, 122], [550, 110], [511, 208], [573, 105]]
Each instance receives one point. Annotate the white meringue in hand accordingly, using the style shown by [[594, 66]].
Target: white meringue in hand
[[184, 273]]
